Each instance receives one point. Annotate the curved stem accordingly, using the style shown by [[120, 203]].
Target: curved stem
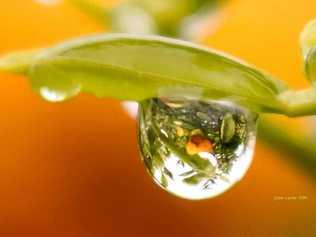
[[93, 10], [299, 103], [294, 147]]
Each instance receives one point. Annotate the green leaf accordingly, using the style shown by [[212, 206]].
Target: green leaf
[[308, 46], [19, 62], [130, 67]]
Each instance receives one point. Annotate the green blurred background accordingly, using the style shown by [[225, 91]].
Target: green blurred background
[[73, 169]]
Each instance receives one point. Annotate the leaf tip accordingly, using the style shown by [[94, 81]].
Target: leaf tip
[[18, 62]]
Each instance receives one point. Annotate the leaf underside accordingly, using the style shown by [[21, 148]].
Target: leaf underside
[[131, 67]]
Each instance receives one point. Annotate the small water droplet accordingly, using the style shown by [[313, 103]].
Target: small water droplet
[[52, 84], [51, 95], [55, 95], [197, 149]]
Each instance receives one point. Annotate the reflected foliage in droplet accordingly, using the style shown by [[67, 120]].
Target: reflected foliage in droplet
[[196, 149]]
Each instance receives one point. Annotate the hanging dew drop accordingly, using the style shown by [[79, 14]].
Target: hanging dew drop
[[195, 149], [52, 94], [52, 84]]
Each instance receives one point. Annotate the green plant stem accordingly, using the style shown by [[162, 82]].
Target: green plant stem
[[99, 13], [294, 147], [299, 103]]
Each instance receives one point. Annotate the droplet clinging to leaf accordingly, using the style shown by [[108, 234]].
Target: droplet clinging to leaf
[[195, 149]]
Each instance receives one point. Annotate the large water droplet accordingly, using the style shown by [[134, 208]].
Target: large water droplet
[[195, 149]]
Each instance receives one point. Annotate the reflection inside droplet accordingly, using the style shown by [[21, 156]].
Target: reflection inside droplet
[[196, 149]]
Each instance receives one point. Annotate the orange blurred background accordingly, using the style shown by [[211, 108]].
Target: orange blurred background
[[73, 169]]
